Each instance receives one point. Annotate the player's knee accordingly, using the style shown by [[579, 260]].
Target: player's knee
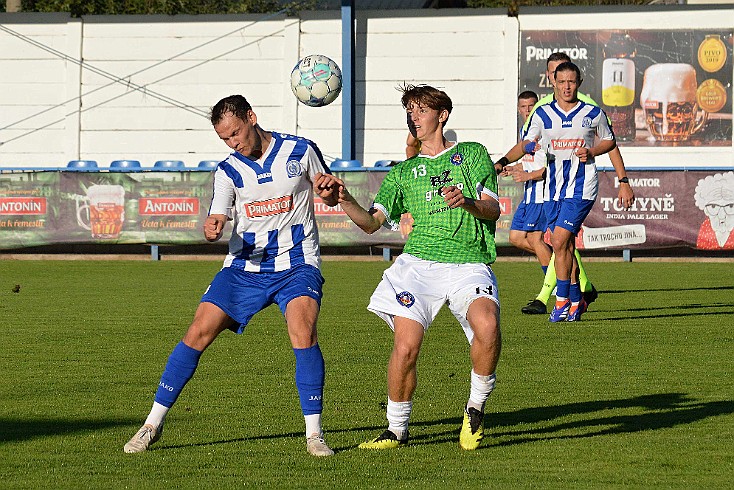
[[406, 353]]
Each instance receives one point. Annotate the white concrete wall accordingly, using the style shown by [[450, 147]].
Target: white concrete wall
[[52, 111]]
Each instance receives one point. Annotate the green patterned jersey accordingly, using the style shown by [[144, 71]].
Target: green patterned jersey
[[440, 233]]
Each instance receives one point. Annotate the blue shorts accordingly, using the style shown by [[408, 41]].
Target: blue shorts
[[241, 294], [529, 218], [567, 213]]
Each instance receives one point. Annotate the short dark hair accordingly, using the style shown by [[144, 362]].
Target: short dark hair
[[568, 66], [528, 94], [557, 56], [426, 95], [236, 104]]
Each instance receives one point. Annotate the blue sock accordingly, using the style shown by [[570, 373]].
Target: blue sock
[[545, 269], [310, 379], [562, 288], [179, 369], [575, 293]]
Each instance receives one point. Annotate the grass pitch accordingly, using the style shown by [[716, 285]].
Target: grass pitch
[[639, 394]]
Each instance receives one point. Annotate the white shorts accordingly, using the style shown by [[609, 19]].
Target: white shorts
[[416, 289]]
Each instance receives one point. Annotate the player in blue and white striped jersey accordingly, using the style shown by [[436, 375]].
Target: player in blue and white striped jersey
[[567, 130], [266, 187]]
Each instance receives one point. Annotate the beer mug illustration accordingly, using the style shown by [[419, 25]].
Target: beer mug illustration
[[668, 99], [102, 210]]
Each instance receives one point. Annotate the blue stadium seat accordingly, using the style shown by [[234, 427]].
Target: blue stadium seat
[[346, 165], [169, 165], [384, 163], [124, 165], [82, 165], [208, 164]]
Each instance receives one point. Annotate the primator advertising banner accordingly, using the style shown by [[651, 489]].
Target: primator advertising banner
[[659, 88], [674, 208]]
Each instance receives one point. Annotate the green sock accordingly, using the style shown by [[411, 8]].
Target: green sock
[[549, 283], [584, 282]]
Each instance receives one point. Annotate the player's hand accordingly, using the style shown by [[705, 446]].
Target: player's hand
[[626, 196], [453, 197], [213, 227], [584, 154], [326, 187], [517, 173]]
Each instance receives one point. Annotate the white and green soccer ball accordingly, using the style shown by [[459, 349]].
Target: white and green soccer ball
[[316, 80]]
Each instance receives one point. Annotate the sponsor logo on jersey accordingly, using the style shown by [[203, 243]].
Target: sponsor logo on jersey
[[271, 207], [166, 206], [457, 158], [441, 180], [293, 168], [586, 123], [265, 176], [406, 299], [23, 205], [567, 144]]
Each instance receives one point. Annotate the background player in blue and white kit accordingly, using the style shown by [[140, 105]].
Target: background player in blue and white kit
[[266, 186], [566, 129], [529, 222]]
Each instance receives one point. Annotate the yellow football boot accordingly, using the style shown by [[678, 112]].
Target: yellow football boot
[[472, 430], [386, 440]]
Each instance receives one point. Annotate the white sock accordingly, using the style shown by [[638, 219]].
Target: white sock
[[313, 424], [481, 388], [398, 414], [157, 415]]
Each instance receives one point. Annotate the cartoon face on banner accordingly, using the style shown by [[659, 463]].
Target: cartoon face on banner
[[715, 197]]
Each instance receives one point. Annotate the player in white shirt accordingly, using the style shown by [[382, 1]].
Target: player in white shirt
[[529, 222], [266, 187], [566, 129]]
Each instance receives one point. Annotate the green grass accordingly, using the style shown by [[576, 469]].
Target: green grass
[[640, 394]]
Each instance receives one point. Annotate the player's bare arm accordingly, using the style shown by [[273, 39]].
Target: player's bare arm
[[326, 187], [368, 221], [213, 227], [485, 207], [515, 153], [519, 175]]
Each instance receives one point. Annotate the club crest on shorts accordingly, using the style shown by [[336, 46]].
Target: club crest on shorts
[[293, 168], [406, 299], [457, 159]]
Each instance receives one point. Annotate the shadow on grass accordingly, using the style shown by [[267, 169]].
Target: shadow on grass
[[13, 429], [568, 421], [580, 420], [693, 309], [650, 290]]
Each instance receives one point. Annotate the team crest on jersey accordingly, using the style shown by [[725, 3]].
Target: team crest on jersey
[[457, 159], [406, 299], [293, 167], [586, 123]]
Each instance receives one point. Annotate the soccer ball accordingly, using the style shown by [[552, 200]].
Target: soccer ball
[[316, 80]]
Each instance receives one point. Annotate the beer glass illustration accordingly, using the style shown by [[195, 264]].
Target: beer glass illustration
[[668, 99], [102, 210]]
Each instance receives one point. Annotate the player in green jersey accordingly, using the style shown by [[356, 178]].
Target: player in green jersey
[[450, 189]]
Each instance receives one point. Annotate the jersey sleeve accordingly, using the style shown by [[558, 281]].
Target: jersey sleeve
[[535, 124], [223, 195], [390, 199], [603, 128], [484, 174], [315, 161]]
